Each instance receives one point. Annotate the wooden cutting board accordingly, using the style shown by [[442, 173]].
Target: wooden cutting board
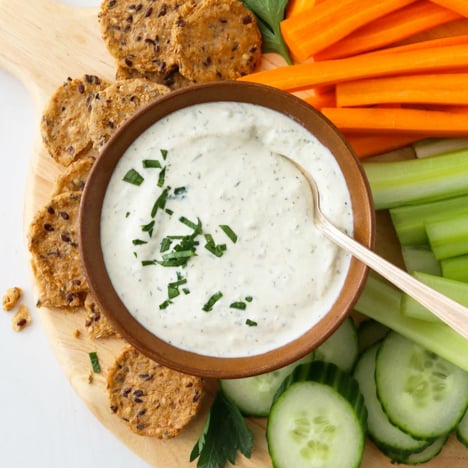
[[42, 43]]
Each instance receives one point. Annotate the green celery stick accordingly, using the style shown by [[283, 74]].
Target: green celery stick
[[455, 268]]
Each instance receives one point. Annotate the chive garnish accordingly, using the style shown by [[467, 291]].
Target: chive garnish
[[172, 291], [212, 301], [149, 262], [249, 298], [238, 305], [162, 176], [179, 254], [250, 323], [169, 212], [160, 202], [179, 190], [216, 249], [165, 244], [189, 223], [186, 290], [163, 153], [165, 304], [151, 164], [93, 357], [133, 177], [127, 214], [148, 228], [229, 232], [138, 242]]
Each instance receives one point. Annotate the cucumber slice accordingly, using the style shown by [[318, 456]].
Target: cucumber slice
[[430, 452], [421, 393], [341, 348], [317, 419], [370, 332], [254, 395], [386, 436], [462, 430]]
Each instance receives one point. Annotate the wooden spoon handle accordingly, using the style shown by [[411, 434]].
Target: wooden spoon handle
[[44, 42], [451, 312]]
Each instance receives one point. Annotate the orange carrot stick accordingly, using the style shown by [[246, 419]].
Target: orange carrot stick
[[320, 26], [429, 44], [400, 121], [371, 145], [320, 100], [460, 6], [298, 6], [309, 75], [443, 88], [394, 27]]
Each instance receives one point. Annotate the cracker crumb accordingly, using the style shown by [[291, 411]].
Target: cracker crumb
[[21, 319], [76, 333], [11, 298]]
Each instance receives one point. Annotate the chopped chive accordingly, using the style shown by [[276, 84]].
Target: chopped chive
[[138, 242], [163, 153], [216, 249], [249, 298], [151, 163], [162, 176], [169, 212], [229, 232], [148, 228], [188, 223], [165, 244], [250, 323], [133, 177], [238, 305], [135, 254], [172, 291], [160, 202], [179, 190], [165, 304], [212, 301], [186, 290], [179, 254], [93, 357], [127, 214], [149, 262]]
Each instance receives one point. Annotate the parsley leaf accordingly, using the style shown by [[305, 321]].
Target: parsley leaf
[[269, 14], [225, 432]]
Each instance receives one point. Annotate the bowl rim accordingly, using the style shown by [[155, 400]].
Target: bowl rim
[[98, 279]]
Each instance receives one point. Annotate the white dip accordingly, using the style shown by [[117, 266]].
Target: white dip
[[222, 157]]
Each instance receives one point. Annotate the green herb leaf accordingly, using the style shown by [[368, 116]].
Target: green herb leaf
[[169, 212], [251, 323], [186, 290], [148, 228], [249, 298], [160, 202], [164, 153], [93, 357], [238, 305], [212, 301], [224, 434], [149, 262], [165, 304], [151, 163], [179, 190], [138, 242], [269, 15], [215, 249], [229, 232], [133, 177], [165, 244], [162, 176]]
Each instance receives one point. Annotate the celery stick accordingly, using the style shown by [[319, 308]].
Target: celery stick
[[399, 183], [435, 146], [455, 268], [409, 221], [456, 290], [420, 258], [448, 237], [381, 301]]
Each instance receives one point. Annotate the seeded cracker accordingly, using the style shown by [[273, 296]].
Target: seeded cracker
[[64, 124], [117, 103], [172, 79], [138, 33], [53, 243], [11, 298], [73, 179], [216, 40], [154, 400], [96, 322]]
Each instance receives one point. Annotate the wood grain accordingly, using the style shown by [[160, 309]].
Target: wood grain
[[44, 42]]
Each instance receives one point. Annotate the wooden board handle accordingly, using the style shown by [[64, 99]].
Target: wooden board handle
[[44, 42]]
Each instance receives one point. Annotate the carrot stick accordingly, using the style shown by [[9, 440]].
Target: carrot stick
[[320, 26], [309, 75], [400, 121], [320, 100], [459, 6], [429, 44], [394, 27], [371, 145], [298, 6], [443, 88]]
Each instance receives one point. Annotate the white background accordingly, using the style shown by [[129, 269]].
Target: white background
[[43, 422]]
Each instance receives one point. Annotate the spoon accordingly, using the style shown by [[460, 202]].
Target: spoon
[[449, 311]]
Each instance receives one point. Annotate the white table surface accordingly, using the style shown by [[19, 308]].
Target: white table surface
[[43, 422]]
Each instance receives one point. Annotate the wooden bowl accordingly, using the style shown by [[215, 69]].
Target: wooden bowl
[[92, 256]]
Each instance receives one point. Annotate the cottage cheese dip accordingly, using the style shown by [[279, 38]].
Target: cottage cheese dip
[[208, 235]]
